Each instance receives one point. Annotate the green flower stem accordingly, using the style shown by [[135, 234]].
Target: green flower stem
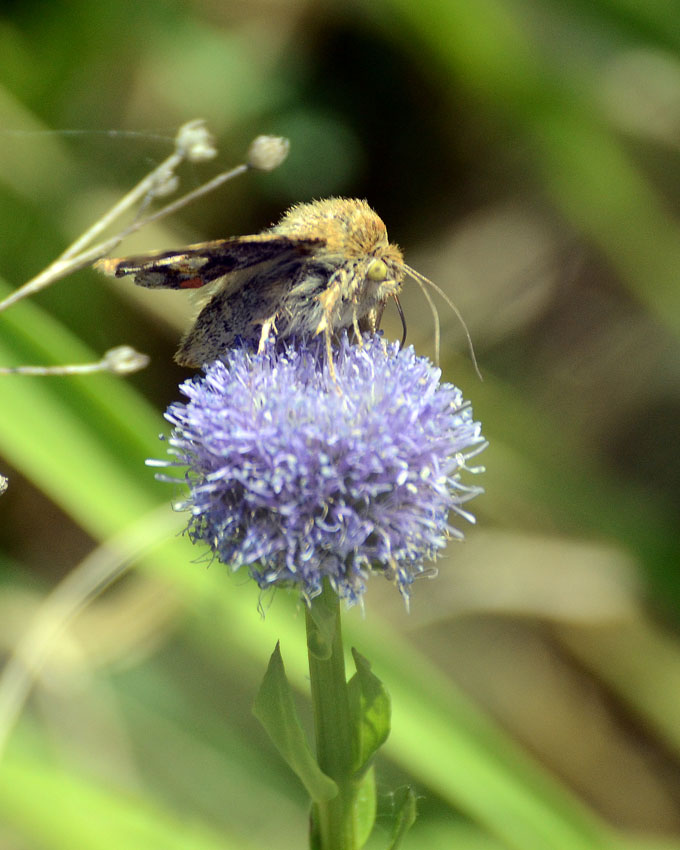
[[333, 825]]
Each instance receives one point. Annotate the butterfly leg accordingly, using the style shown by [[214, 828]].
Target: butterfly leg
[[355, 326], [329, 356], [268, 326], [328, 300]]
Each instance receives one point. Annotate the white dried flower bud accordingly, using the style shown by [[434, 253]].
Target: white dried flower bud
[[165, 183], [195, 142], [124, 360], [267, 152]]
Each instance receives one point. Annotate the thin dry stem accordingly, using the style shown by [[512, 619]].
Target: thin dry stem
[[121, 360], [193, 143]]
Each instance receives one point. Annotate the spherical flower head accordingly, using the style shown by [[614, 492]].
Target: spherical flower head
[[302, 476]]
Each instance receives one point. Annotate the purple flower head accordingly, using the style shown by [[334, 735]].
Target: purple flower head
[[302, 477]]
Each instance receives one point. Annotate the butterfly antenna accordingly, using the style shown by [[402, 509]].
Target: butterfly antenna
[[403, 320], [420, 280], [423, 282]]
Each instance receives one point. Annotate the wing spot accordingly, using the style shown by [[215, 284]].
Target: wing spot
[[192, 283]]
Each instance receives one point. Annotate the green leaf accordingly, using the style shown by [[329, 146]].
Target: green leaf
[[275, 709], [370, 709], [365, 805], [404, 818]]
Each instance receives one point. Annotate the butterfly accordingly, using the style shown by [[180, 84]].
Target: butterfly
[[326, 266]]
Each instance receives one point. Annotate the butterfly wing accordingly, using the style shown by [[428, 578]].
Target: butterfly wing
[[198, 265]]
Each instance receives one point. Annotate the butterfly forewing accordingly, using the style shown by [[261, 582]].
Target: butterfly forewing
[[197, 265]]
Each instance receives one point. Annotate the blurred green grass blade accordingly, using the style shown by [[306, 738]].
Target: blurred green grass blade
[[486, 49], [62, 457], [35, 337], [76, 438], [56, 810]]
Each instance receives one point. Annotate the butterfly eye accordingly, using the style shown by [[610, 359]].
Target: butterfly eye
[[377, 270]]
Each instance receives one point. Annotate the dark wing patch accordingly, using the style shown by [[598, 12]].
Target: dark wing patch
[[197, 265]]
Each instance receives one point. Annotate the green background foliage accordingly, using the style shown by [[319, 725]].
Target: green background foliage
[[525, 155]]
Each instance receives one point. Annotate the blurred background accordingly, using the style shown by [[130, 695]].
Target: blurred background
[[525, 154]]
